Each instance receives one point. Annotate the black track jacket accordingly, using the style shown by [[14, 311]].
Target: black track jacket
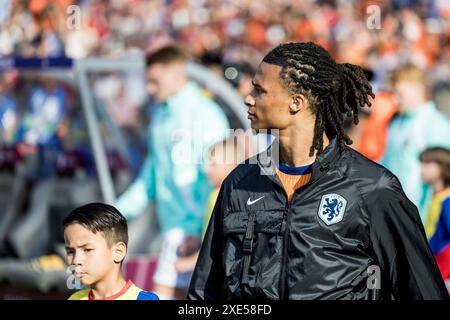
[[350, 233]]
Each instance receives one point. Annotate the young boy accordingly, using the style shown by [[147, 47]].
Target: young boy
[[436, 172], [96, 237]]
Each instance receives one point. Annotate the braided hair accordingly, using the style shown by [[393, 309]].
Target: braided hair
[[331, 89]]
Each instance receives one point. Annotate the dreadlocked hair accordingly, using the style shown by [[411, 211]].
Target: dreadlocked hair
[[332, 90]]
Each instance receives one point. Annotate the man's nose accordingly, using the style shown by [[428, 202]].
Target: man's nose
[[249, 101]]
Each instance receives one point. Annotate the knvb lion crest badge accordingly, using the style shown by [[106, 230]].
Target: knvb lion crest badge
[[332, 208]]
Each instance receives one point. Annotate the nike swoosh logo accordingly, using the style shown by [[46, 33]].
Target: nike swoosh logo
[[250, 202]]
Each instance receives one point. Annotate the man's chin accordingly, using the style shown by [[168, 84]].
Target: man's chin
[[258, 128], [255, 126]]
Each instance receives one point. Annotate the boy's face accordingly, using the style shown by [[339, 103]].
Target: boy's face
[[90, 254], [219, 166], [431, 172]]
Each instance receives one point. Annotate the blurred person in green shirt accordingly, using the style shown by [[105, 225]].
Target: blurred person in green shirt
[[185, 124]]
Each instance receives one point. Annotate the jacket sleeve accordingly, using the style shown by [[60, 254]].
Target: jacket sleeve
[[139, 194], [208, 278], [408, 268]]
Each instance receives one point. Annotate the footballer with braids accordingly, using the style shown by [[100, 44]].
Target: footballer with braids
[[314, 223], [332, 90]]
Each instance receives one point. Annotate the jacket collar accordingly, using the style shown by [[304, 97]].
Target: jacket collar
[[268, 161]]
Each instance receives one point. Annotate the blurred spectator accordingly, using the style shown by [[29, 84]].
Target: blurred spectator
[[436, 173], [238, 30], [9, 113], [183, 126], [46, 111], [418, 125], [370, 135], [122, 96], [39, 129]]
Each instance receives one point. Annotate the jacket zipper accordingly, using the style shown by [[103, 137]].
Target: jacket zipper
[[284, 228]]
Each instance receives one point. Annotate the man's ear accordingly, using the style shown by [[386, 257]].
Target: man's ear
[[298, 102], [119, 251]]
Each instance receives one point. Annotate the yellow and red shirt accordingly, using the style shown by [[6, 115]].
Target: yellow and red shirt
[[129, 292], [437, 228]]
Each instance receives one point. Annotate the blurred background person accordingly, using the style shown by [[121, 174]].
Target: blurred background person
[[417, 126], [436, 173], [370, 135], [184, 124], [375, 124], [39, 132], [9, 112]]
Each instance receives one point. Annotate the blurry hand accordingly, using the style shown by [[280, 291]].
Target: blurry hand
[[190, 245]]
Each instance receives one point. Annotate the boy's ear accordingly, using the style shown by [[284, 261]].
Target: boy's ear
[[297, 103], [119, 251]]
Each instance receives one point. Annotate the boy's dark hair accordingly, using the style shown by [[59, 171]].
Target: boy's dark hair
[[100, 217], [441, 156], [331, 89], [166, 55]]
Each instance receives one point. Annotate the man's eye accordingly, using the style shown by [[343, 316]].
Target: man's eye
[[87, 250], [69, 253]]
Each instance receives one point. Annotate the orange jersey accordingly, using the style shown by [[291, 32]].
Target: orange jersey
[[293, 178]]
